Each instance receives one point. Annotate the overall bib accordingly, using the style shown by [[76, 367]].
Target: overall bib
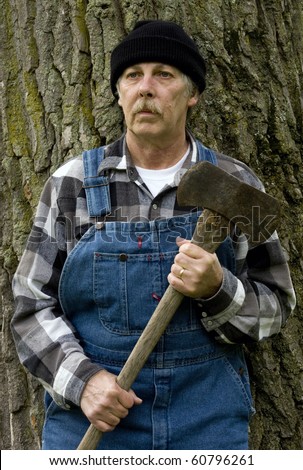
[[195, 391]]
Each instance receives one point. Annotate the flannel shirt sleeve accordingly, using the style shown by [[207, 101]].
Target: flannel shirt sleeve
[[255, 303], [45, 340]]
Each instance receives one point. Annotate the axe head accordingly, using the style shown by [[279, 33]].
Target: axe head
[[254, 212]]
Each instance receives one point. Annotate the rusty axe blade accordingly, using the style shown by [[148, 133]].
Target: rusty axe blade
[[207, 186]]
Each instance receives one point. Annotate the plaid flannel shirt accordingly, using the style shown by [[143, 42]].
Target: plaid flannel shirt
[[250, 306]]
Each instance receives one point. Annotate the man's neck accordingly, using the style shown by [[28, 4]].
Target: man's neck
[[156, 155]]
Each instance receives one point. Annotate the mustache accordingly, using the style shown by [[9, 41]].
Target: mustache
[[146, 106]]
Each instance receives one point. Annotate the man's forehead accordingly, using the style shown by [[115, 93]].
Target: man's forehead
[[151, 65]]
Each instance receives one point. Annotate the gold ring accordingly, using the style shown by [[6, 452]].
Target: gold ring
[[181, 273]]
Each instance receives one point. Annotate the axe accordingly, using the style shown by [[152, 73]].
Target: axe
[[227, 202]]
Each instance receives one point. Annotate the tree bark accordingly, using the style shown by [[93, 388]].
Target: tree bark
[[55, 101]]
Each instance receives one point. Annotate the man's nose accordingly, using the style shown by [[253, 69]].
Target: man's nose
[[146, 86]]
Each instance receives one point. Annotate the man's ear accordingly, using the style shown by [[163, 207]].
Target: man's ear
[[193, 100], [117, 94]]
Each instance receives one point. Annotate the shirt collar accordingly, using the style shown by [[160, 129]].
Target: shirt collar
[[124, 162]]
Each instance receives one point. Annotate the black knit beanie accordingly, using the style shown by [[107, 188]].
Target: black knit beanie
[[158, 41]]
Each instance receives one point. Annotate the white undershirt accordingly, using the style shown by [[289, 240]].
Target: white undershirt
[[155, 180]]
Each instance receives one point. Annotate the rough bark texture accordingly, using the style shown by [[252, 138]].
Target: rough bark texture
[[55, 101]]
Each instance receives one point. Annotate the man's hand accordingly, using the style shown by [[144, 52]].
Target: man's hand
[[195, 272], [105, 403]]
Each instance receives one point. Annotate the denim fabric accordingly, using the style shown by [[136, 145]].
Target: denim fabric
[[204, 405], [195, 391]]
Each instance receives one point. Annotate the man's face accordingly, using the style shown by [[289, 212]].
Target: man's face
[[155, 99]]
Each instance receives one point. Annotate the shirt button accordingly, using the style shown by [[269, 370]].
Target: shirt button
[[155, 206], [209, 322], [204, 314], [123, 257]]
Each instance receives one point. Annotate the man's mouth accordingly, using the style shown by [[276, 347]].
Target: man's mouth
[[146, 111]]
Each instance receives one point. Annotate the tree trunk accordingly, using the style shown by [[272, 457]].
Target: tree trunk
[[55, 102]]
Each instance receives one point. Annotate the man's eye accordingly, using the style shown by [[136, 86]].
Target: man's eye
[[165, 74], [132, 75]]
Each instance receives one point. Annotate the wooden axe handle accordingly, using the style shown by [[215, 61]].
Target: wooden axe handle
[[210, 231]]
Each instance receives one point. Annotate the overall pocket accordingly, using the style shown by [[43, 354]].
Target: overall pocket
[[236, 368], [128, 287]]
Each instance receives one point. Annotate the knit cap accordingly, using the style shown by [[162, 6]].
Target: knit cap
[[158, 41]]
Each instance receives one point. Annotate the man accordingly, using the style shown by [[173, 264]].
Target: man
[[108, 238]]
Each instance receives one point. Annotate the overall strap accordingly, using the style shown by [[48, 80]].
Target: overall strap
[[204, 153], [96, 186]]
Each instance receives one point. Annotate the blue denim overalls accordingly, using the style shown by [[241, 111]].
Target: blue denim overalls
[[195, 391]]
